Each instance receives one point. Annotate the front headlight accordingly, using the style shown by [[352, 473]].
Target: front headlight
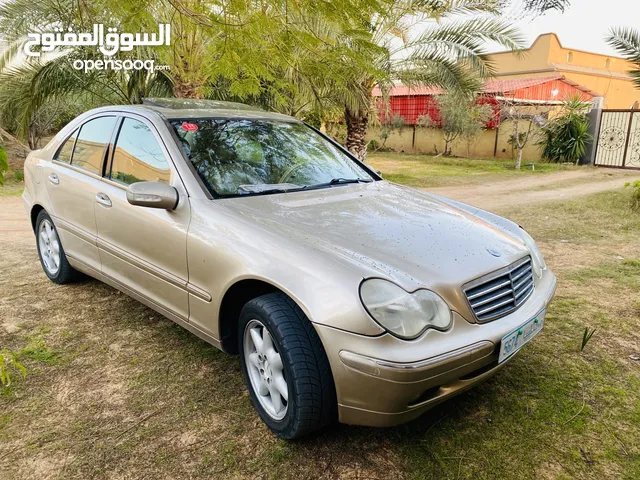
[[536, 254], [405, 315]]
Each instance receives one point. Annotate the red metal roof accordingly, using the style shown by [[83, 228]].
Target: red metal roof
[[411, 103], [411, 108], [536, 88]]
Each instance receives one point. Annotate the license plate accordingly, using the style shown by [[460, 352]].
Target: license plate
[[515, 340]]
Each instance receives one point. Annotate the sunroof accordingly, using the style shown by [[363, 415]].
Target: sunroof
[[193, 103]]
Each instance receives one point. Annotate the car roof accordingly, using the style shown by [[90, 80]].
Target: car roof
[[176, 108]]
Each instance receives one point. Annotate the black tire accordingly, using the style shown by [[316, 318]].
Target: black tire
[[312, 402], [66, 273]]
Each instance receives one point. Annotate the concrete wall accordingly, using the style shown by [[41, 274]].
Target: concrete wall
[[428, 140]]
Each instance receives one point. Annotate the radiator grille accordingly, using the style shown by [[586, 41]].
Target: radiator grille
[[501, 292]]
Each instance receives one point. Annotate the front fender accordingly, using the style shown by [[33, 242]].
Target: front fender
[[223, 249]]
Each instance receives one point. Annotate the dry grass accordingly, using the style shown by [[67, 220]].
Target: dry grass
[[425, 171], [116, 391]]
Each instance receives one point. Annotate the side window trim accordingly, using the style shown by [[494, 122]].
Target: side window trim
[[75, 140], [106, 147], [156, 135], [108, 165]]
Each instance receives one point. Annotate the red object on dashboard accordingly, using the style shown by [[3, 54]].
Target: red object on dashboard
[[189, 127]]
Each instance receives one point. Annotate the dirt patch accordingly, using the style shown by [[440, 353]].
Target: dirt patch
[[550, 186]]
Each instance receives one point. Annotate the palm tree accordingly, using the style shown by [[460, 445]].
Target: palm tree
[[251, 49], [627, 42], [447, 54], [33, 85], [292, 56]]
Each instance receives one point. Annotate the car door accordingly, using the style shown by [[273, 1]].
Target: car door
[[143, 248], [72, 179]]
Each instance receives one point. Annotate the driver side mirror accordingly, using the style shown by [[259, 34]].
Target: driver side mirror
[[152, 195]]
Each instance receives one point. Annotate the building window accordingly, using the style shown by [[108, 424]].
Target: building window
[[569, 57], [607, 63]]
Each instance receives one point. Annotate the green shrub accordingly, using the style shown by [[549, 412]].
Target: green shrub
[[19, 175], [4, 164], [635, 195], [566, 137], [373, 145]]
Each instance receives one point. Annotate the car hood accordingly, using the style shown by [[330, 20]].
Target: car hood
[[389, 231]]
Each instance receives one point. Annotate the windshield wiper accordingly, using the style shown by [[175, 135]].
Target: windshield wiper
[[294, 188], [338, 181], [271, 190]]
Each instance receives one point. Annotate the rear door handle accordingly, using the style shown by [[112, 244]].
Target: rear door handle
[[102, 199], [53, 178]]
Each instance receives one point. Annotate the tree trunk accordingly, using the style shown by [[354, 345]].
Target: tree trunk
[[519, 159], [32, 141], [357, 123], [187, 89]]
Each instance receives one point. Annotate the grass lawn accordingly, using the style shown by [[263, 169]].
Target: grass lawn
[[423, 171], [12, 186], [116, 391]]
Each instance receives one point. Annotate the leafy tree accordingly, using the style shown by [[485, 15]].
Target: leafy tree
[[478, 116], [565, 138], [289, 56], [627, 42], [396, 122], [459, 117], [281, 54], [32, 89], [523, 117]]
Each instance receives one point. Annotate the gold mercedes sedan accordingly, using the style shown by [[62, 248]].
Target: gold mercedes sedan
[[346, 297]]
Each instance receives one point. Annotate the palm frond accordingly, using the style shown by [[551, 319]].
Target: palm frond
[[467, 37], [627, 42], [438, 70]]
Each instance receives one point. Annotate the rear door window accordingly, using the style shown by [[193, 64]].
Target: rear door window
[[92, 141]]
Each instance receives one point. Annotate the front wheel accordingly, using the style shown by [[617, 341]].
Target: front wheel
[[285, 366]]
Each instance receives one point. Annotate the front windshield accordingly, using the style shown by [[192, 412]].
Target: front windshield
[[248, 157]]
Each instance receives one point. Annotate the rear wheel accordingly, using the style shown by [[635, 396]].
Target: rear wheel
[[52, 257], [285, 366]]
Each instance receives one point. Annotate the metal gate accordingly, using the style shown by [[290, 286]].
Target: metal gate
[[618, 140]]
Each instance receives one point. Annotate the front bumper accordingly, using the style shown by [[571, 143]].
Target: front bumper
[[385, 381]]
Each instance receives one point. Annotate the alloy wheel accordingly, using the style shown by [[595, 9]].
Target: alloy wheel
[[49, 246], [265, 369]]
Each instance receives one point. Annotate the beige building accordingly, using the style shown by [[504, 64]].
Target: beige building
[[604, 74]]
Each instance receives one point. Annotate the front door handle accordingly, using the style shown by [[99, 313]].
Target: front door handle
[[53, 178], [103, 199]]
